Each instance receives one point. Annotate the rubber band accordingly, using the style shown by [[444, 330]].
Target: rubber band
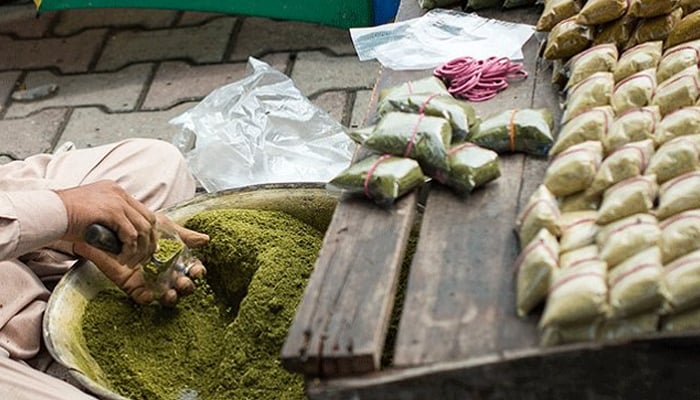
[[569, 278], [479, 80], [414, 131], [370, 171], [511, 129]]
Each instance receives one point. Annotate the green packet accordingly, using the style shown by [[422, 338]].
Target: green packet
[[471, 167], [382, 178], [420, 137], [517, 130], [459, 113], [429, 85]]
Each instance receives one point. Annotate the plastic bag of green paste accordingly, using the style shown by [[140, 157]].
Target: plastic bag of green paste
[[596, 12], [566, 39], [679, 194], [554, 335], [576, 257], [626, 237], [652, 8], [679, 235], [459, 113], [686, 30], [633, 92], [389, 178], [422, 138], [600, 58], [657, 28], [481, 4], [578, 230], [581, 201], [634, 284], [685, 121], [627, 161], [573, 170], [639, 58], [680, 90], [680, 284], [629, 327], [556, 11], [534, 269], [631, 196], [689, 6], [429, 85], [471, 167], [594, 91], [430, 4], [592, 124], [577, 295], [677, 59], [541, 211], [617, 32], [632, 126], [517, 130], [675, 157]]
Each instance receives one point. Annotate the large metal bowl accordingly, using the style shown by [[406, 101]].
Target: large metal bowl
[[62, 322]]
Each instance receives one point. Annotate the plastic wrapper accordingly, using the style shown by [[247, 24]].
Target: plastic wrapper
[[422, 138], [359, 135], [683, 321], [633, 92], [685, 121], [639, 58], [575, 257], [517, 130], [632, 126], [630, 327], [578, 229], [430, 85], [534, 269], [596, 12], [652, 8], [657, 28], [381, 178], [676, 157], [600, 58], [581, 201], [684, 31], [631, 196], [617, 32], [567, 38], [481, 4], [624, 238], [540, 212], [260, 129], [470, 167], [680, 235], [592, 124], [680, 90], [627, 161], [430, 4], [577, 295], [594, 91], [680, 284], [689, 6], [459, 113], [679, 194], [554, 335], [634, 284], [573, 170], [556, 11], [677, 59]]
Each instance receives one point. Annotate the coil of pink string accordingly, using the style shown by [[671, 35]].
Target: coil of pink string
[[479, 80]]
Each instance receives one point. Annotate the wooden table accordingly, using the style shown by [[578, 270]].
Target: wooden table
[[459, 336]]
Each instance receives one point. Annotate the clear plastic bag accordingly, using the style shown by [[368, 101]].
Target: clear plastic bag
[[261, 129]]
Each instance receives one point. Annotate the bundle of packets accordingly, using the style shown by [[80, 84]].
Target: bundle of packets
[[424, 133]]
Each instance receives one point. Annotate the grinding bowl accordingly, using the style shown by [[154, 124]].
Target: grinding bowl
[[62, 323]]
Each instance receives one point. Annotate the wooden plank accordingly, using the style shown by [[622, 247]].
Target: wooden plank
[[642, 369], [460, 297], [342, 320]]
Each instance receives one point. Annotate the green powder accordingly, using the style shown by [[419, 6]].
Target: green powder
[[223, 341]]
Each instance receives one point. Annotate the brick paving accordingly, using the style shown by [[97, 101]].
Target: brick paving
[[126, 72]]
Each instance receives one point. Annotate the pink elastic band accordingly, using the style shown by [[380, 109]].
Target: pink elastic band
[[370, 172], [414, 131], [479, 80]]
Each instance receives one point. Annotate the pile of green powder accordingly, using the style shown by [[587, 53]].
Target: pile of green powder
[[224, 340]]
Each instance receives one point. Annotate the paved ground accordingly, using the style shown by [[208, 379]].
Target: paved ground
[[126, 73]]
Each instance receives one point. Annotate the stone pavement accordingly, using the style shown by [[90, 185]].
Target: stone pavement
[[125, 73]]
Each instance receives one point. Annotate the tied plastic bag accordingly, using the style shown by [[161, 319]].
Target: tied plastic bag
[[260, 129]]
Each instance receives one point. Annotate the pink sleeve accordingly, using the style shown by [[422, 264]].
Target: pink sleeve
[[29, 220]]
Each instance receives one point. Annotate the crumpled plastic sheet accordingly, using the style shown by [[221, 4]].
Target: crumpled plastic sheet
[[261, 129]]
